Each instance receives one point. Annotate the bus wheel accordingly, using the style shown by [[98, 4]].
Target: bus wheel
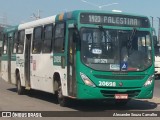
[[20, 89], [63, 101]]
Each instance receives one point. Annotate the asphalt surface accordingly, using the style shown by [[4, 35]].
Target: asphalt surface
[[41, 101]]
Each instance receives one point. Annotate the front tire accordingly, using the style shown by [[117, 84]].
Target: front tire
[[63, 101]]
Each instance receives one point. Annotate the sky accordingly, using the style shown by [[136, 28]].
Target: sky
[[20, 11]]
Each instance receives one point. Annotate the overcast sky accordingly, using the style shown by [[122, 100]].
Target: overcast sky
[[19, 11]]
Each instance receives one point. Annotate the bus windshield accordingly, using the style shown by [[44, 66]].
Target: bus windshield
[[115, 50]]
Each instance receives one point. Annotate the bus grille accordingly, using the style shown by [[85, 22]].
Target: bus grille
[[120, 77], [131, 93]]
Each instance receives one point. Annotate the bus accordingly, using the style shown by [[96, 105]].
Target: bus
[[82, 54]]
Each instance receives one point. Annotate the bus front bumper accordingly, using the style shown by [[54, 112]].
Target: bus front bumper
[[87, 92]]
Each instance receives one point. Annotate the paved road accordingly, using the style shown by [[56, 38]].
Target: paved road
[[41, 101]]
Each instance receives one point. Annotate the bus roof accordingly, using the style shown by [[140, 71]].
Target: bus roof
[[10, 29], [39, 22], [62, 17], [74, 14]]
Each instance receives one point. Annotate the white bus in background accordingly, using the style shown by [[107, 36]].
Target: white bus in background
[[157, 60]]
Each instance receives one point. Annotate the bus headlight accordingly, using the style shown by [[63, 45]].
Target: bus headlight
[[149, 81], [86, 80]]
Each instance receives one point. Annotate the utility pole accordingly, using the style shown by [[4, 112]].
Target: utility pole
[[151, 20], [36, 16]]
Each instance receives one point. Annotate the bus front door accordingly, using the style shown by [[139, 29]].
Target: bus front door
[[27, 60], [71, 64]]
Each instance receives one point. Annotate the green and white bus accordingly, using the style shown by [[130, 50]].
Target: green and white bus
[[83, 55]]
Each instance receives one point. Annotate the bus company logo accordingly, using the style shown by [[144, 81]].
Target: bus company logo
[[6, 114], [120, 84]]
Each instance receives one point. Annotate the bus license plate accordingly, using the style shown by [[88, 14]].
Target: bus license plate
[[121, 96]]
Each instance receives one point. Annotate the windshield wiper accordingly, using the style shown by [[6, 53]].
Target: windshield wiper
[[131, 38], [107, 38]]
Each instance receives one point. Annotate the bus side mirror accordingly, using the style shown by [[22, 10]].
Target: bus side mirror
[[155, 40], [75, 36], [75, 33]]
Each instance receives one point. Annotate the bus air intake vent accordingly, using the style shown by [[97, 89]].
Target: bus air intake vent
[[119, 77], [131, 93]]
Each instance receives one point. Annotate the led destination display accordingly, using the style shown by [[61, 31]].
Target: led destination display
[[114, 20]]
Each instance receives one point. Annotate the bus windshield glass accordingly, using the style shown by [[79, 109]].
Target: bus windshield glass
[[115, 50]]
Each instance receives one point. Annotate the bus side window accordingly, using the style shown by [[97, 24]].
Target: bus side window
[[20, 42], [15, 38], [59, 38], [157, 51], [1, 43], [5, 44], [1, 37], [37, 40], [47, 42]]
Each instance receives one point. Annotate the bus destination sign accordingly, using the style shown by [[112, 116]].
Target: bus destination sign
[[114, 20]]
